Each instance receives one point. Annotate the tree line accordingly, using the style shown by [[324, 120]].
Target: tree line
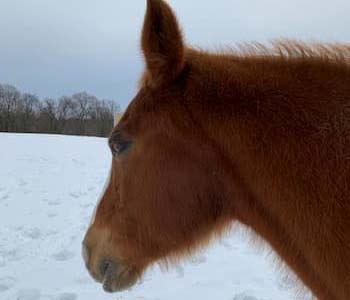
[[79, 114]]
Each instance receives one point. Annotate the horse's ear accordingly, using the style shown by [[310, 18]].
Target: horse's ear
[[162, 43]]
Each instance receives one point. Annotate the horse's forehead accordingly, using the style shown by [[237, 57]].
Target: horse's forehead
[[136, 113]]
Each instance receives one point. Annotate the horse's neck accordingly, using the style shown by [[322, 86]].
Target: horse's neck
[[288, 196], [281, 182]]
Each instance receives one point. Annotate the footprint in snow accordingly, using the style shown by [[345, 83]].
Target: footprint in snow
[[244, 296], [83, 280], [22, 182], [12, 255], [67, 296], [33, 233], [2, 261], [52, 215], [18, 228], [28, 294], [195, 261], [86, 205], [74, 195], [47, 297], [52, 232], [5, 197], [6, 283], [63, 255]]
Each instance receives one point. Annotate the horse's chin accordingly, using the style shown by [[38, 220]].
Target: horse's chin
[[118, 277]]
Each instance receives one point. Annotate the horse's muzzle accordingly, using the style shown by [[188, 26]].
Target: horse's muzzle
[[115, 276]]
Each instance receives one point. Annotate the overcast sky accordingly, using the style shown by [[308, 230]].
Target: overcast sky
[[57, 47]]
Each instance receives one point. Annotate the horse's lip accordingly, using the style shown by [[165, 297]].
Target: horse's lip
[[117, 277], [108, 278]]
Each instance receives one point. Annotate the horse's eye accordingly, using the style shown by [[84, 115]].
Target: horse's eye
[[118, 147], [118, 144]]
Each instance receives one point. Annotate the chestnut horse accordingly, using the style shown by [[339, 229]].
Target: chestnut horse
[[259, 136]]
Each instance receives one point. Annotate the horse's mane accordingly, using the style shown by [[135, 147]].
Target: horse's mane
[[287, 49], [339, 52]]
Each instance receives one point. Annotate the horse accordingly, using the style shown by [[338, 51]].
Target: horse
[[258, 135]]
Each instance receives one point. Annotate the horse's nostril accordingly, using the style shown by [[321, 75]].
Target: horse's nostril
[[104, 266], [85, 254]]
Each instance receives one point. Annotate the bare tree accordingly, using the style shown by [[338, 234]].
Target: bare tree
[[30, 105], [84, 104], [65, 112], [9, 98], [48, 119]]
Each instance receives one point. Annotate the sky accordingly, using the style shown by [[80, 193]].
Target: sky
[[57, 47]]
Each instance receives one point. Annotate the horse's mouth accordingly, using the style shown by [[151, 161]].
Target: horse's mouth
[[117, 277]]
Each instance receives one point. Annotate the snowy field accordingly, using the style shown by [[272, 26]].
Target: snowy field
[[48, 188]]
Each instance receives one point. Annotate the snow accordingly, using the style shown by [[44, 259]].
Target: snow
[[49, 186]]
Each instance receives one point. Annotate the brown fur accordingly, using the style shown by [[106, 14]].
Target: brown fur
[[260, 136]]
